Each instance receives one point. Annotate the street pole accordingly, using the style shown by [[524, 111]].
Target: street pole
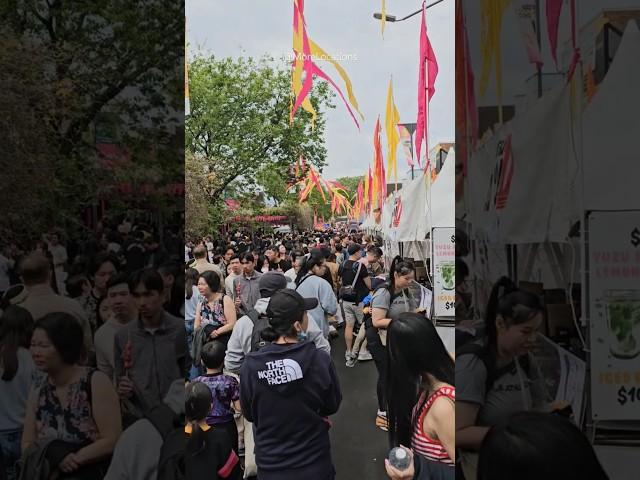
[[539, 38]]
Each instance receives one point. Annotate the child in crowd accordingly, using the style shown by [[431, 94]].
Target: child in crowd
[[224, 389], [209, 451]]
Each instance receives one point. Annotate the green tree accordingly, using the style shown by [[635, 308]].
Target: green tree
[[239, 124], [92, 57], [350, 184]]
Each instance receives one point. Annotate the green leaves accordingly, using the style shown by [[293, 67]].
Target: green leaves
[[239, 124]]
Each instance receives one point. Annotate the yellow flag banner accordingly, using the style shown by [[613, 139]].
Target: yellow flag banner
[[492, 12], [392, 118], [305, 50]]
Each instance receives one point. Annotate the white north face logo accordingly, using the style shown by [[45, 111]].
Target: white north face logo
[[281, 371]]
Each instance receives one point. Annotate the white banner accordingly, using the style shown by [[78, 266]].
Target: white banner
[[444, 269], [614, 314]]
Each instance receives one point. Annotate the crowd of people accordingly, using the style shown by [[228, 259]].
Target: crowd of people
[[92, 342], [98, 343], [108, 371], [274, 304]]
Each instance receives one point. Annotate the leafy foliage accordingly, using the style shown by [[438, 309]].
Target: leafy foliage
[[75, 61], [239, 125]]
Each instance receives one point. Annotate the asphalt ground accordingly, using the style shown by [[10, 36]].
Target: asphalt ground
[[358, 447]]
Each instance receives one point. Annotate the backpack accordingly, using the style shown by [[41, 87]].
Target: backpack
[[489, 361], [348, 292], [260, 322], [171, 465]]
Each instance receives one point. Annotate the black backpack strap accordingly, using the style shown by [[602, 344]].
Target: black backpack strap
[[303, 280], [163, 419], [253, 315]]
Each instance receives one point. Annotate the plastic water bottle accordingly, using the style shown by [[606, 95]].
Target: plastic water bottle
[[399, 458]]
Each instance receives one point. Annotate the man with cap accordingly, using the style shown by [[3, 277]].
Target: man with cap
[[287, 390], [240, 342]]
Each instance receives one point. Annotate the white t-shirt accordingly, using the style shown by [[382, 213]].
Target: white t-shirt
[[59, 254]]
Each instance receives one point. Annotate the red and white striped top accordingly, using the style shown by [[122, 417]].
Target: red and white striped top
[[420, 441]]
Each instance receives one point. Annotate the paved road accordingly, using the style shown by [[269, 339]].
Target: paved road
[[358, 446]]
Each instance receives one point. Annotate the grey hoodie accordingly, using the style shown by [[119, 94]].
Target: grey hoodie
[[240, 341]]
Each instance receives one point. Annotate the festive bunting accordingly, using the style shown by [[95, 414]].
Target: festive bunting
[[392, 118], [305, 50], [554, 9], [526, 12], [405, 139], [426, 87], [369, 190], [466, 111], [492, 12], [379, 178]]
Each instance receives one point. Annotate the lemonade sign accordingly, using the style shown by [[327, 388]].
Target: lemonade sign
[[444, 272], [614, 314]]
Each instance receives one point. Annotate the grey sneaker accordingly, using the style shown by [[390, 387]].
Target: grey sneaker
[[351, 360], [364, 356]]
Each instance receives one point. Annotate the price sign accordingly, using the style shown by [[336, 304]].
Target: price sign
[[628, 394], [444, 271], [614, 314]]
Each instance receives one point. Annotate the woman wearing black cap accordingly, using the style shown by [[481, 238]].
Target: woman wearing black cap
[[288, 389]]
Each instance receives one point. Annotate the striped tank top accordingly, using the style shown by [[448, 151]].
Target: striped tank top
[[420, 442]]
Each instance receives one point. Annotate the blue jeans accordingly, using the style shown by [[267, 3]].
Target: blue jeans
[[10, 446]]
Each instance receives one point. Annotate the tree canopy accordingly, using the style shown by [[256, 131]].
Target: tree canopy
[[239, 125]]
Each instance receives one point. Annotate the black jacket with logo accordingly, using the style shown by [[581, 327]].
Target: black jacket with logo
[[287, 392]]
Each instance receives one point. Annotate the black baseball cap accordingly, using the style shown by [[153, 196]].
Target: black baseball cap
[[271, 282], [287, 303]]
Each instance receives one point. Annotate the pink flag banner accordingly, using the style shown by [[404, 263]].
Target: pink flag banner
[[426, 87], [554, 9], [526, 12]]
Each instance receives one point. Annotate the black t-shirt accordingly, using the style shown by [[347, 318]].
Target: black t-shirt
[[349, 270]]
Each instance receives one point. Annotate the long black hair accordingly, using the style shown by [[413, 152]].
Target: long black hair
[[401, 267], [534, 445], [190, 280], [197, 405], [312, 260], [16, 328], [414, 349]]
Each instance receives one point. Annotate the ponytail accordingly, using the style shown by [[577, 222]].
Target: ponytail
[[403, 267], [197, 405], [308, 262], [514, 305]]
